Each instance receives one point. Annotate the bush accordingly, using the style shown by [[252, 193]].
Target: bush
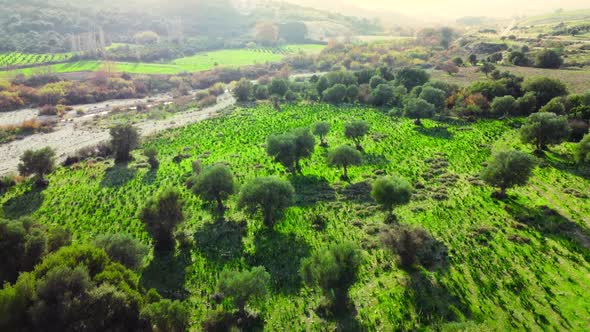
[[270, 195], [38, 162], [243, 286], [582, 153], [542, 129], [503, 106], [545, 89], [508, 169], [124, 139], [167, 315], [336, 94], [383, 95], [434, 96], [123, 249], [555, 105], [152, 155], [413, 245], [243, 90], [548, 59], [161, 215]]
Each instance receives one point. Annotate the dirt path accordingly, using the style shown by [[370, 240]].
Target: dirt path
[[69, 137]]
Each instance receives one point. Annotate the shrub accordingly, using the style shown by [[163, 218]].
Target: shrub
[[413, 245], [152, 155], [123, 249], [124, 139], [582, 153], [548, 59], [243, 286], [508, 169], [542, 129], [503, 105], [555, 105], [38, 162], [243, 90], [167, 315], [270, 195]]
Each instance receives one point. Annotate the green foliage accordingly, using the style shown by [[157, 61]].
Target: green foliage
[[161, 215], [555, 105], [502, 106], [123, 248], [526, 104], [243, 90], [490, 89], [344, 156], [38, 162], [542, 129], [243, 286], [279, 87], [413, 245], [583, 150], [167, 316], [215, 184], [434, 96], [418, 108], [412, 77], [288, 149], [487, 68], [356, 131], [270, 195], [152, 155], [390, 192], [508, 169], [333, 269], [376, 81], [335, 94], [545, 89], [124, 139], [548, 59], [352, 93], [383, 95], [322, 129]]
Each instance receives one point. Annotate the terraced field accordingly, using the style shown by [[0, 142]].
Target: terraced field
[[199, 62], [20, 59], [518, 264]]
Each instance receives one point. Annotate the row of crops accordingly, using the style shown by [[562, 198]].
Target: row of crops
[[23, 59], [274, 50], [504, 271]]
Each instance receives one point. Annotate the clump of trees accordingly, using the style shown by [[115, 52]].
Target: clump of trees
[[243, 286], [543, 129], [269, 195], [390, 192], [548, 59], [356, 131], [124, 139], [344, 156], [288, 149], [334, 271], [161, 216], [508, 169], [39, 163], [123, 248], [215, 184]]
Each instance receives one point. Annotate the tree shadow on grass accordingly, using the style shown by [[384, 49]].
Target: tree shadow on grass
[[166, 273], [433, 301], [435, 132], [566, 163], [117, 176], [221, 240], [25, 204], [281, 255], [150, 177], [312, 189], [552, 225], [375, 159], [357, 192]]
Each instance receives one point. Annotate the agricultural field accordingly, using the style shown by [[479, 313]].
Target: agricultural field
[[20, 59], [518, 264], [199, 62]]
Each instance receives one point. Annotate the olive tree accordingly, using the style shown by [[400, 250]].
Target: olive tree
[[418, 108], [508, 169], [334, 270], [288, 149], [355, 131], [269, 195], [37, 162], [123, 248], [544, 128], [243, 89], [124, 139], [583, 150], [243, 286], [322, 129], [161, 215], [344, 156], [390, 192], [215, 184], [503, 105]]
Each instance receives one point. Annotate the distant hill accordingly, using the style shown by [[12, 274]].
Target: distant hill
[[573, 16]]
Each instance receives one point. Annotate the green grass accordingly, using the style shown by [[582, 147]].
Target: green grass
[[21, 59], [513, 264], [582, 15], [199, 62]]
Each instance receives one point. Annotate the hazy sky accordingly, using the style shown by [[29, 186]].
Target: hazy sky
[[471, 7]]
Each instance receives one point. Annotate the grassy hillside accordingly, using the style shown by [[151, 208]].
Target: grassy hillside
[[522, 263], [578, 16], [199, 62]]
